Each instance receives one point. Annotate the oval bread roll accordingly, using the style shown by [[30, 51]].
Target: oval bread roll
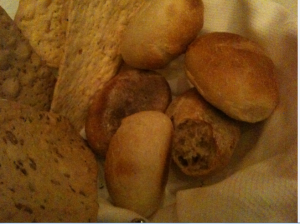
[[131, 91], [137, 161], [204, 137], [234, 74], [160, 32]]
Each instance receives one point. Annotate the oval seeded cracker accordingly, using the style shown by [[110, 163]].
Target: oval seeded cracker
[[24, 77], [47, 173]]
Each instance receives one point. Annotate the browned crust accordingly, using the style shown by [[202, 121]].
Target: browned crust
[[129, 92], [234, 74]]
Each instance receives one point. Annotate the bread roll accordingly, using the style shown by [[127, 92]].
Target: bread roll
[[130, 91], [204, 137], [137, 161], [161, 31], [234, 74]]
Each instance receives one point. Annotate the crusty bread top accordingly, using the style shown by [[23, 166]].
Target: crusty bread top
[[47, 173], [234, 74]]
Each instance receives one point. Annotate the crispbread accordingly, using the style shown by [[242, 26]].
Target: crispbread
[[47, 173], [44, 23], [23, 76], [92, 54]]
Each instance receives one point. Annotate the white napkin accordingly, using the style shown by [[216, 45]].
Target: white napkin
[[10, 6]]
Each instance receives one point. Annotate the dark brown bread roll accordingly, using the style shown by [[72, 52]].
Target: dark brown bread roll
[[129, 92]]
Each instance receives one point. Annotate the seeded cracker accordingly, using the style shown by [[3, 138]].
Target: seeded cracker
[[44, 24], [92, 54], [23, 76], [47, 173]]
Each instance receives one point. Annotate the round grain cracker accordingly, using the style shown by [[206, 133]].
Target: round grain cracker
[[47, 173]]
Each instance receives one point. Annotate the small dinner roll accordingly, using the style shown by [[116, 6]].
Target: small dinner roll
[[204, 138], [137, 162], [160, 32], [234, 74]]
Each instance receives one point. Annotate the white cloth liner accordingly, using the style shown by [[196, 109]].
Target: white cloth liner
[[260, 184]]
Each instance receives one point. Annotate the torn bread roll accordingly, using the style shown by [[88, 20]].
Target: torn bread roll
[[137, 162], [234, 74], [204, 137], [160, 32]]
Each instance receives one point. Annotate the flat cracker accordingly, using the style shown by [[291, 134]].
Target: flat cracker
[[47, 173], [92, 54], [23, 76], [44, 24]]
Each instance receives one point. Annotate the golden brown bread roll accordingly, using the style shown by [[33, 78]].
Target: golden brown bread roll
[[161, 31], [137, 162], [234, 74], [130, 91], [204, 137]]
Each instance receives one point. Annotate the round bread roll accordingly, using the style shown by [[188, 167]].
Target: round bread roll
[[160, 32], [137, 162], [234, 74], [130, 91], [204, 138]]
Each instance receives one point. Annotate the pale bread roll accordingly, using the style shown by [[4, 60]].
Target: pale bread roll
[[204, 138], [137, 161], [234, 74], [160, 32]]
